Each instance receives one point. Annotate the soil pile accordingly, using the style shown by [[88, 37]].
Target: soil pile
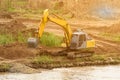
[[13, 27], [16, 51]]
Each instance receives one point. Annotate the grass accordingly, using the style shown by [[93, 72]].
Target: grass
[[21, 38], [49, 39], [111, 36], [6, 39], [98, 57], [42, 59], [9, 38], [92, 58], [4, 67]]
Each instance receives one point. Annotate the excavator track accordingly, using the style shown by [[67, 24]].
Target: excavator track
[[71, 54]]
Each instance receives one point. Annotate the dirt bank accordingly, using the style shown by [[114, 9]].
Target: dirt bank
[[5, 15], [13, 26], [73, 64], [16, 51]]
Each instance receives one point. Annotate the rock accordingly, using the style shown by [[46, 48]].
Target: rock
[[21, 68], [110, 59]]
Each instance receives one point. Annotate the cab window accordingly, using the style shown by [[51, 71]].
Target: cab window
[[82, 37]]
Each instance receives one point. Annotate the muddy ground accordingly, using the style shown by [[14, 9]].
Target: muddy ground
[[19, 56]]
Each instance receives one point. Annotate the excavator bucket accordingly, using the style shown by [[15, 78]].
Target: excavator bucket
[[32, 42]]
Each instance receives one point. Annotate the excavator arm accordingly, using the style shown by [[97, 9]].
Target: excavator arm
[[59, 21]]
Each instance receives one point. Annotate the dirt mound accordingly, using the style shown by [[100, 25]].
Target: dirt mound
[[16, 51], [5, 15], [13, 26]]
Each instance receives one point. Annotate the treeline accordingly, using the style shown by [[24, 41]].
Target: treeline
[[11, 4], [74, 7], [77, 8], [26, 4]]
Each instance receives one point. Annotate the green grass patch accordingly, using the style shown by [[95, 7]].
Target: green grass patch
[[43, 59], [111, 36], [21, 38], [6, 39], [10, 38], [49, 39]]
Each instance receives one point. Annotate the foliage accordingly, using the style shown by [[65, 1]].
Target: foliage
[[49, 39], [4, 67], [98, 57], [42, 59], [9, 38], [21, 38], [6, 39]]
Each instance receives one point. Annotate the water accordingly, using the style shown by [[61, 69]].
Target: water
[[78, 73]]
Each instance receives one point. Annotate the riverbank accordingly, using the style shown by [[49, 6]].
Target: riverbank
[[30, 66]]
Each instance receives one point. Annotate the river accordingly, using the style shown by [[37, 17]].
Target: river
[[76, 73]]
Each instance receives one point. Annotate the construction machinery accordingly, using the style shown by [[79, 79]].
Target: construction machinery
[[75, 41]]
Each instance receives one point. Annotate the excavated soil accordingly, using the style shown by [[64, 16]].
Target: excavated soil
[[14, 26], [8, 25], [16, 51]]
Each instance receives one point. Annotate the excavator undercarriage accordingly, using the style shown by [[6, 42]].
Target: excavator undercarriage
[[71, 54]]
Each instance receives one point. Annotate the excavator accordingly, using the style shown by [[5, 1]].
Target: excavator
[[77, 42]]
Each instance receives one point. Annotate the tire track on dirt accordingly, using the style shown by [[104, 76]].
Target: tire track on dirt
[[106, 46]]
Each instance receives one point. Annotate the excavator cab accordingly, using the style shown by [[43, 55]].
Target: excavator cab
[[81, 40]]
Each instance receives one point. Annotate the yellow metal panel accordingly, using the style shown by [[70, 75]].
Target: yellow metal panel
[[90, 43], [43, 22]]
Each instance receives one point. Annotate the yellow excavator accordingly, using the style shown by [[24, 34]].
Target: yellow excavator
[[75, 41]]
